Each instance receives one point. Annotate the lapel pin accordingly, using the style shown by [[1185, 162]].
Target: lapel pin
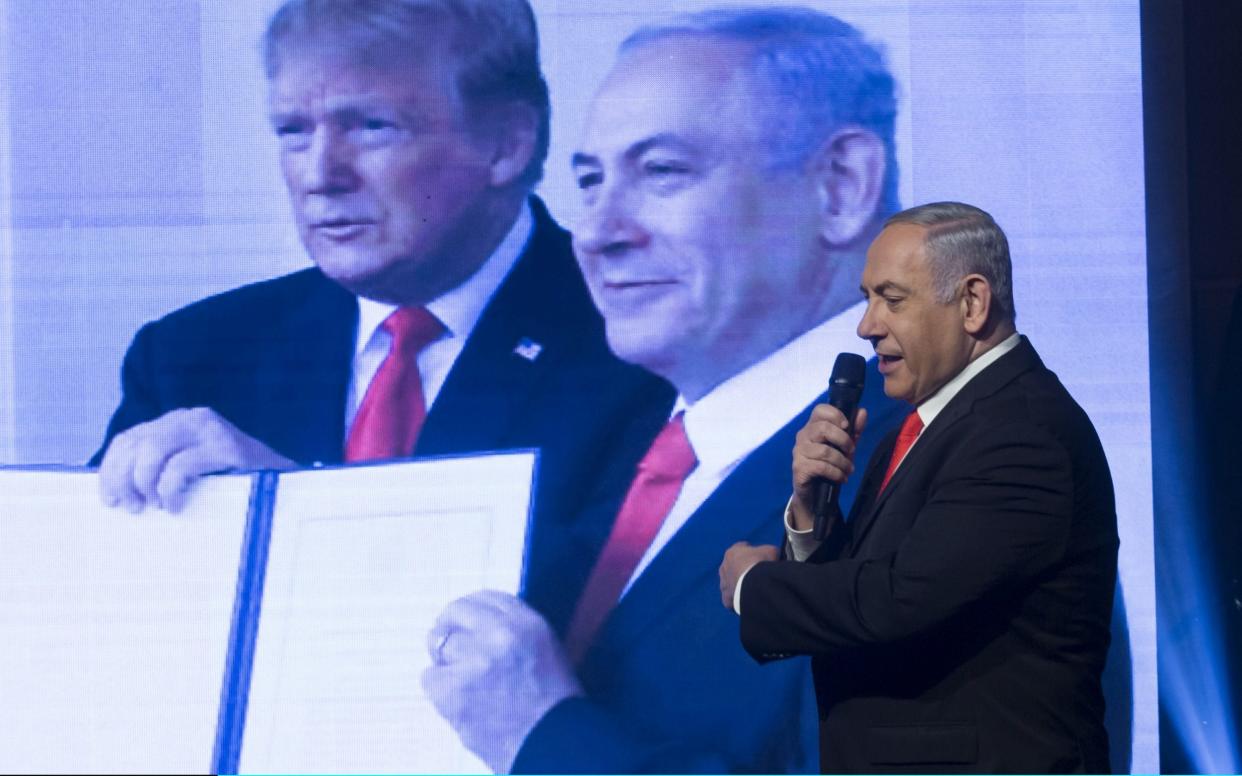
[[528, 349]]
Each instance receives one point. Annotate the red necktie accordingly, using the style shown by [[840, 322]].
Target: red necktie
[[909, 432], [393, 410], [651, 495]]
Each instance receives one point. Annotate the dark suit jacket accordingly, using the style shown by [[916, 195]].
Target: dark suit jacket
[[960, 619], [669, 688], [275, 358]]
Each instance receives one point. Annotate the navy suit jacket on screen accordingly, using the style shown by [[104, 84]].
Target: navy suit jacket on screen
[[669, 687], [275, 359]]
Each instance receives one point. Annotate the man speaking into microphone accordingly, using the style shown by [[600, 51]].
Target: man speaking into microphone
[[959, 619]]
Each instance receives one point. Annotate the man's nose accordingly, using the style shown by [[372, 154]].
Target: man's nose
[[870, 327], [328, 165], [609, 224]]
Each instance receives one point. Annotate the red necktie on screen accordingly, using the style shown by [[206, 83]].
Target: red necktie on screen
[[393, 410], [909, 432], [650, 498]]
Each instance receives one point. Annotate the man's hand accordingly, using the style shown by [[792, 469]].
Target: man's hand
[[496, 669], [155, 463], [738, 560], [823, 450]]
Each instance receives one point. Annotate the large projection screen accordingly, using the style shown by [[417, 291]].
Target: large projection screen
[[138, 173]]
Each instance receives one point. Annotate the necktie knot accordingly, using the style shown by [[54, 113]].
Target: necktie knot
[[412, 329], [671, 456], [910, 429]]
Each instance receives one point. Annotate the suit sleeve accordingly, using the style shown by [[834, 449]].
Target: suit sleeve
[[581, 736], [139, 395], [764, 722], [683, 698], [997, 515]]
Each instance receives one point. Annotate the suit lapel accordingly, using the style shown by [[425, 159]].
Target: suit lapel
[[864, 503], [304, 381], [521, 334], [926, 451], [912, 462]]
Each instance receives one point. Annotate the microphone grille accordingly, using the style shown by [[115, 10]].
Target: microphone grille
[[849, 368]]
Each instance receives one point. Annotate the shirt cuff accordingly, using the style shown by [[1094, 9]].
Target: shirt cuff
[[801, 543], [737, 593]]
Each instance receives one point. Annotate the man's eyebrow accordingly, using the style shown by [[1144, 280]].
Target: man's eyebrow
[[278, 117], [580, 159], [885, 287]]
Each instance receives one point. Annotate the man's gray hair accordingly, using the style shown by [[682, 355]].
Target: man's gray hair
[[820, 73], [495, 44], [962, 240]]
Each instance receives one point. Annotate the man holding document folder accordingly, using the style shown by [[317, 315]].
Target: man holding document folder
[[444, 314]]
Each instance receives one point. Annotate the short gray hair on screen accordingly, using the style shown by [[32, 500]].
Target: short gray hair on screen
[[495, 42], [962, 240], [822, 74]]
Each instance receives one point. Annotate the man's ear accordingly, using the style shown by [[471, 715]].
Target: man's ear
[[515, 134], [849, 169], [976, 302]]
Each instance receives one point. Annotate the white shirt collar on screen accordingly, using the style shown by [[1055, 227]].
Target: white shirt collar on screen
[[739, 415], [459, 310]]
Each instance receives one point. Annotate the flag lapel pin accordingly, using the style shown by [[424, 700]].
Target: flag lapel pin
[[528, 349]]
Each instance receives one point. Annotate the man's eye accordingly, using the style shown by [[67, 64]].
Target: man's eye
[[588, 180], [892, 301], [664, 169], [374, 131], [293, 136]]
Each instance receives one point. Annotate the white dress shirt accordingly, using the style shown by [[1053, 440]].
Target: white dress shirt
[[458, 310], [739, 415]]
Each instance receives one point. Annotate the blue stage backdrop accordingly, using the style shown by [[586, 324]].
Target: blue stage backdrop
[[138, 173]]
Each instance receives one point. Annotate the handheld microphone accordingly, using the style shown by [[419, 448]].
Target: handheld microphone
[[844, 391]]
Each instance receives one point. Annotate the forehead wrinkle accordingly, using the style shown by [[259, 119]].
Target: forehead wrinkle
[[333, 103], [889, 285], [659, 140], [337, 108], [699, 140]]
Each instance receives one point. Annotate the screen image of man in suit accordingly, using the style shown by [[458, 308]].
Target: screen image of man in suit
[[445, 312], [733, 167], [959, 620]]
